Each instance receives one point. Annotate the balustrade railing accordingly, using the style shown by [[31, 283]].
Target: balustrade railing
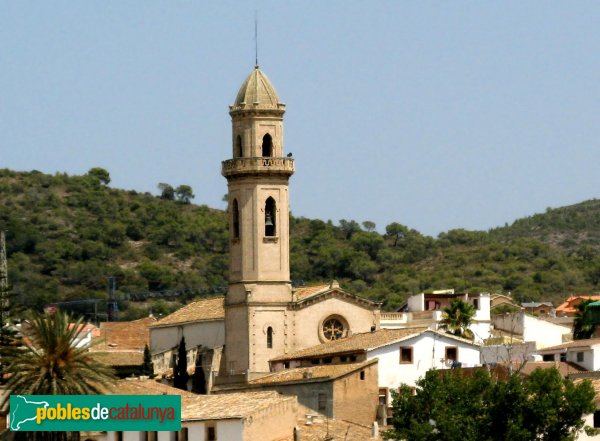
[[258, 164]]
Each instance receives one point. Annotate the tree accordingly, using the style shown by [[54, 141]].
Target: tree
[[184, 194], [397, 231], [147, 366], [166, 191], [99, 173], [180, 377], [583, 326], [199, 379], [369, 225], [49, 363], [452, 406], [457, 318]]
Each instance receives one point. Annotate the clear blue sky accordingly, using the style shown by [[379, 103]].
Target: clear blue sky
[[437, 115]]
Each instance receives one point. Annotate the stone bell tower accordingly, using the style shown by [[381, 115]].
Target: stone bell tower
[[259, 269]]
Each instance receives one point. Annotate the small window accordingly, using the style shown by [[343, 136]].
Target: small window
[[270, 219], [406, 355], [322, 403], [597, 419], [353, 358], [327, 360], [476, 303], [452, 353], [119, 436], [269, 337], [211, 433], [235, 219], [548, 357], [579, 357], [563, 356], [343, 358], [315, 361], [362, 375], [267, 146], [383, 400], [286, 364], [239, 150], [152, 436]]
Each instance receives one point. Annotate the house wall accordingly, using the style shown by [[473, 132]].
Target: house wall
[[429, 350], [307, 393], [209, 334], [416, 302], [590, 359], [588, 421], [544, 333], [483, 308], [275, 423], [355, 399], [531, 328]]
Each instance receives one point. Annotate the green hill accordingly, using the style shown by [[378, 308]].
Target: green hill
[[67, 234]]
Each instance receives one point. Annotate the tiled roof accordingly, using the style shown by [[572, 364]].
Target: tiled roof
[[205, 309], [231, 405], [565, 368], [587, 343], [357, 342], [205, 407], [309, 291], [124, 335], [569, 306], [312, 373], [119, 358]]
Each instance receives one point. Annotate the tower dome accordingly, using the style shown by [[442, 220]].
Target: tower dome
[[257, 92]]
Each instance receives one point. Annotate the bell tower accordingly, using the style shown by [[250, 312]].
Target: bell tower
[[259, 269]]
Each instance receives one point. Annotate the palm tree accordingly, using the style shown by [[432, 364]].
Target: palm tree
[[49, 363], [583, 327], [457, 318]]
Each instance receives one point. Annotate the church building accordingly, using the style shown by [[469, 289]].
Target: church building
[[264, 316]]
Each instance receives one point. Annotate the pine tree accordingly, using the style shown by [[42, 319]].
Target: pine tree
[[147, 366], [181, 376]]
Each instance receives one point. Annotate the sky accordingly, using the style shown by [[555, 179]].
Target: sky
[[434, 114]]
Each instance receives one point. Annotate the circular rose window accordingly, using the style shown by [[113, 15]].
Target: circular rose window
[[334, 329]]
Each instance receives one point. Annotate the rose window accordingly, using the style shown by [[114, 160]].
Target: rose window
[[333, 329]]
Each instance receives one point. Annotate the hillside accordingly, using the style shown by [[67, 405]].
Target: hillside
[[67, 234]]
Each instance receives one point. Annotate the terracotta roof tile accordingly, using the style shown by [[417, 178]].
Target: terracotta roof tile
[[119, 358], [565, 368], [587, 343], [124, 335], [570, 305], [309, 291], [357, 342], [320, 372], [205, 309], [205, 407]]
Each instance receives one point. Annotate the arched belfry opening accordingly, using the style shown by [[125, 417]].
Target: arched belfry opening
[[269, 337], [267, 146], [235, 219], [239, 149], [270, 219]]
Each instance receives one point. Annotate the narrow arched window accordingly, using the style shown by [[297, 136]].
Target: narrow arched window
[[267, 146], [270, 219], [239, 151], [269, 337], [235, 219]]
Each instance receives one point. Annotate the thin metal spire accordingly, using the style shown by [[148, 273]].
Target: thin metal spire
[[255, 38]]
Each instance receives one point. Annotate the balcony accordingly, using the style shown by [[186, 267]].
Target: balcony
[[250, 166]]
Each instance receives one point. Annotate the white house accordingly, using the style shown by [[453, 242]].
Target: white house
[[404, 355], [584, 353], [426, 309], [528, 328], [251, 416]]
